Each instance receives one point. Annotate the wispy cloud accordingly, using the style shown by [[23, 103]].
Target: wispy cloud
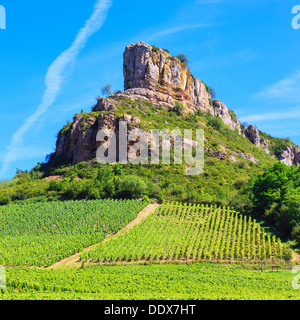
[[54, 78], [272, 116], [287, 89], [172, 30], [208, 1], [151, 35]]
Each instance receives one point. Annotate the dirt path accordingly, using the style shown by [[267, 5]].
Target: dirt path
[[73, 261]]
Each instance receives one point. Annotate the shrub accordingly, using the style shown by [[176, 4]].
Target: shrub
[[199, 113], [280, 145], [215, 122], [132, 187], [179, 108], [239, 183], [296, 233], [106, 91], [183, 58], [154, 48], [4, 200]]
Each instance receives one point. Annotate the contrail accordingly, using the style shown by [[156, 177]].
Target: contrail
[[55, 76]]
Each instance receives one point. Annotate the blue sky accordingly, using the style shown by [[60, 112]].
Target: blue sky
[[247, 50]]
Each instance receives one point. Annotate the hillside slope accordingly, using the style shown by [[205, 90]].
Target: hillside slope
[[160, 93]]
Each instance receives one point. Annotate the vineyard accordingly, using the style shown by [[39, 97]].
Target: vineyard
[[137, 282], [44, 233], [185, 232]]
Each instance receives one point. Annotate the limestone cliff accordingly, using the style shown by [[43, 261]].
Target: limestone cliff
[[152, 73], [291, 156], [227, 117], [253, 135]]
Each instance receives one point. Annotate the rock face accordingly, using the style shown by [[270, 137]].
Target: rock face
[[152, 73], [291, 156], [247, 157], [79, 142], [227, 117], [253, 135], [105, 104]]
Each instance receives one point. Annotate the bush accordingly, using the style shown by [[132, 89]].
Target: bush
[[183, 58], [215, 122], [288, 254], [4, 200], [132, 187], [239, 183], [296, 233], [179, 108], [280, 145]]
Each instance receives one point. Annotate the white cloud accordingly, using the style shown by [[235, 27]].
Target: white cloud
[[208, 1], [54, 78], [271, 116], [287, 89], [151, 35], [173, 30]]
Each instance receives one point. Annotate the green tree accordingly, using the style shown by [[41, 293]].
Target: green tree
[[106, 91], [276, 196], [183, 58], [212, 92], [132, 187], [273, 185]]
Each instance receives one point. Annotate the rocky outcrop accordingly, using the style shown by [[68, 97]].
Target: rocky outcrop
[[253, 135], [152, 73], [220, 155], [227, 116], [79, 143], [105, 104], [246, 156], [291, 156]]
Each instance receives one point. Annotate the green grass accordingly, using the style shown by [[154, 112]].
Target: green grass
[[44, 233], [161, 282], [179, 232]]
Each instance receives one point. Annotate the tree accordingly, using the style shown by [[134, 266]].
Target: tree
[[106, 91], [245, 124], [296, 233], [132, 187], [183, 58], [276, 196], [212, 92], [273, 185]]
